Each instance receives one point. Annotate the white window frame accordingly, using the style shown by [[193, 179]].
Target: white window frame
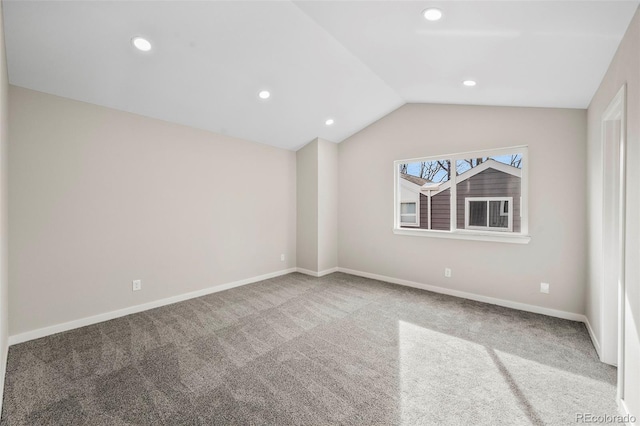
[[415, 224], [521, 237], [487, 200]]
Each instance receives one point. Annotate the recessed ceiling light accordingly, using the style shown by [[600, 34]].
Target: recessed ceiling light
[[141, 43], [432, 14], [329, 122], [469, 83], [264, 94]]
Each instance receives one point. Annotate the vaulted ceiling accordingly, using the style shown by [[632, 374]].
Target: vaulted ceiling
[[353, 62]]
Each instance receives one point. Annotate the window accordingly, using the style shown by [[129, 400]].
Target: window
[[478, 195], [488, 213], [408, 214]]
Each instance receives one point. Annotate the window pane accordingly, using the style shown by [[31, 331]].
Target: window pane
[[429, 181], [490, 177], [477, 213], [496, 220], [408, 219], [408, 208]]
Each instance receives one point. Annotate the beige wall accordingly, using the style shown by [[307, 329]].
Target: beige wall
[[307, 202], [327, 205], [557, 216], [625, 68], [99, 197], [4, 141], [317, 227]]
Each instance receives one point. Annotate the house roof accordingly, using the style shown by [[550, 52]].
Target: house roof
[[488, 164], [414, 179]]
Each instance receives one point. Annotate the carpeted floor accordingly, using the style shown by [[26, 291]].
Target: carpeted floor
[[301, 350]]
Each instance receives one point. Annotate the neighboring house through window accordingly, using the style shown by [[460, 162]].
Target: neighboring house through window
[[410, 201]]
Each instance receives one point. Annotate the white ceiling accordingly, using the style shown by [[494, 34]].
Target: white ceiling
[[352, 61]]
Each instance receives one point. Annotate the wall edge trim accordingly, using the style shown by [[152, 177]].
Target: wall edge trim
[[3, 374], [624, 411], [592, 335]]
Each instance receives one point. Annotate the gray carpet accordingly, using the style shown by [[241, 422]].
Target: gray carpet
[[302, 350]]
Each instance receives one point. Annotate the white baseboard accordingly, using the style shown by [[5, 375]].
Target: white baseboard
[[594, 339], [491, 300], [317, 274], [3, 372], [82, 322], [624, 412]]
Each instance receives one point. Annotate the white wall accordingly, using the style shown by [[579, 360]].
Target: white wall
[[625, 68], [557, 216], [327, 205], [4, 276], [307, 202], [99, 197]]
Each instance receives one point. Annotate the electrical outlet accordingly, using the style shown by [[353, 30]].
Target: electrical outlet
[[136, 285], [282, 257], [447, 272], [544, 288]]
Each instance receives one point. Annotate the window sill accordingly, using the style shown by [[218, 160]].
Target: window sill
[[466, 235]]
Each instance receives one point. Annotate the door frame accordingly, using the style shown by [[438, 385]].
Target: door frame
[[616, 111]]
